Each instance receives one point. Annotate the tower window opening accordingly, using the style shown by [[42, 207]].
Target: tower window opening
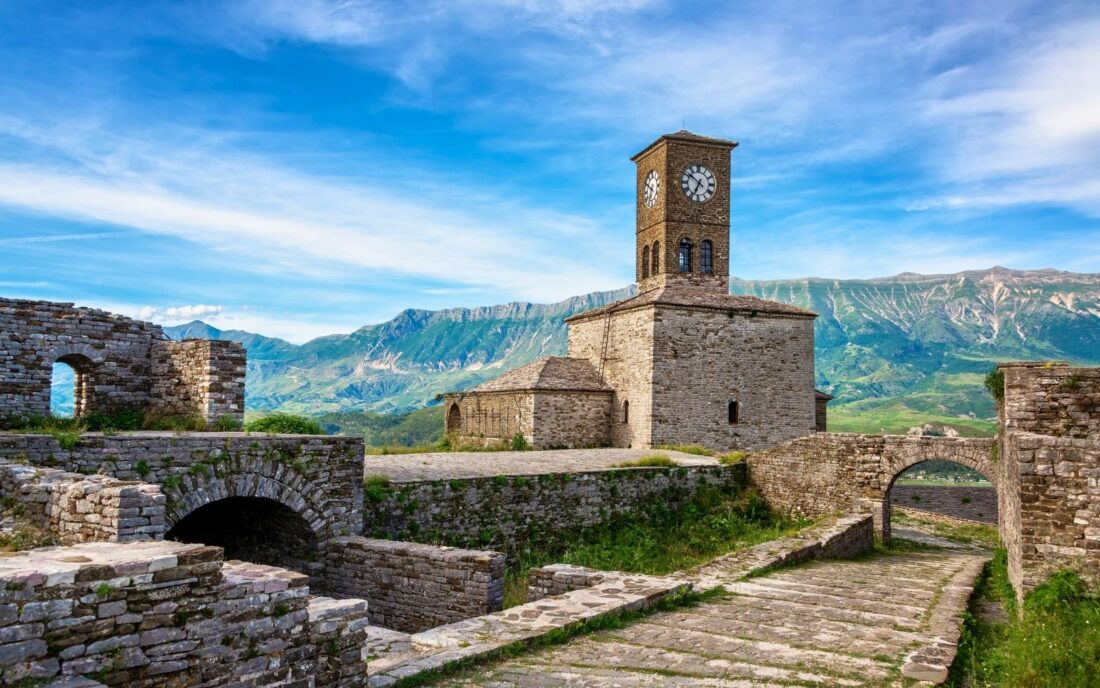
[[645, 262], [626, 411], [733, 412], [656, 258], [685, 255], [706, 257]]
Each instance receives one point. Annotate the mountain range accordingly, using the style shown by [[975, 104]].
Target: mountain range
[[895, 351]]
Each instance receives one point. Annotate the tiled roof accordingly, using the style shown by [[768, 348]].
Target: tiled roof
[[699, 298], [553, 373], [685, 135]]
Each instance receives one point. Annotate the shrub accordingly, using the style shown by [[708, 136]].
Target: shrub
[[376, 487], [285, 424], [176, 422], [995, 383], [142, 468], [226, 424], [519, 443], [732, 458]]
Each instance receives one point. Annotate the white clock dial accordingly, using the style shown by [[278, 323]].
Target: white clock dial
[[650, 188], [698, 183]]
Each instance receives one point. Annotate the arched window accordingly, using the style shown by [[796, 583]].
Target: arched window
[[645, 262], [733, 412], [706, 257], [454, 419], [626, 411], [685, 255], [656, 258]]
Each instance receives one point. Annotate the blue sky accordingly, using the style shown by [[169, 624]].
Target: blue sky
[[304, 167]]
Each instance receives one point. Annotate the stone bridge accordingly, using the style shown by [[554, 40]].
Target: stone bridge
[[270, 499], [826, 472]]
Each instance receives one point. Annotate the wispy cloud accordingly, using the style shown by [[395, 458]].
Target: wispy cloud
[[179, 313]]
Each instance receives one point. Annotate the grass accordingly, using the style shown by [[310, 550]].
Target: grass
[[516, 443], [893, 417], [687, 449], [659, 540], [732, 458], [1055, 642], [285, 424], [968, 533], [649, 461]]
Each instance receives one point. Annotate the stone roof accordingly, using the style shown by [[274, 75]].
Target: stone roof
[[699, 298], [553, 373], [685, 135], [818, 394]]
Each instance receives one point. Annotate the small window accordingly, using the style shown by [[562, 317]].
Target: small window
[[656, 258], [645, 262], [706, 257], [733, 412], [626, 411], [685, 255]]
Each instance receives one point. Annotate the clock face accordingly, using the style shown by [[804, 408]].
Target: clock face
[[698, 183], [650, 188]]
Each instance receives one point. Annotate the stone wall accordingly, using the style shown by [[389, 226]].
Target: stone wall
[[572, 419], [705, 358], [318, 479], [119, 364], [829, 472], [77, 508], [170, 614], [506, 512], [978, 504], [621, 349], [493, 417], [1053, 517], [413, 587], [1051, 399], [198, 376]]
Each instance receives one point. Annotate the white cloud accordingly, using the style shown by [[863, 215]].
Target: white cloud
[[173, 314]]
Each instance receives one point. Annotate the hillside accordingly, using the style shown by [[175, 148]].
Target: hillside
[[895, 351]]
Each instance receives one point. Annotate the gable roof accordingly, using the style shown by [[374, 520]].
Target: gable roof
[[552, 373], [698, 298]]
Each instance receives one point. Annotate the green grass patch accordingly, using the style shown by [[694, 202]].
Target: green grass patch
[[658, 540], [732, 458], [649, 461], [964, 533], [1055, 642]]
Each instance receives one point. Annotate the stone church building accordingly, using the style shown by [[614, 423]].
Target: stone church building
[[682, 362]]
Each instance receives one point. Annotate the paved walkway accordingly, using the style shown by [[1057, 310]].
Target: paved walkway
[[834, 623], [404, 468]]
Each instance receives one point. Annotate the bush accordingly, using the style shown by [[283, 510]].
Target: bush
[[376, 487], [285, 424], [226, 424], [650, 461], [519, 443], [995, 383], [176, 422], [732, 458]]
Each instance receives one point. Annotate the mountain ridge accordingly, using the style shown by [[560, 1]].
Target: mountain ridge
[[892, 350]]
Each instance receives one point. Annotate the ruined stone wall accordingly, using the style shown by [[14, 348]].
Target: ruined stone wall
[[1051, 399], [1054, 519], [622, 349], [507, 512], [977, 504], [119, 364], [413, 587], [705, 358], [77, 508], [110, 354], [198, 376], [319, 477], [150, 614], [572, 419], [494, 417]]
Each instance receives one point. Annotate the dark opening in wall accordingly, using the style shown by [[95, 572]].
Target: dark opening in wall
[[626, 411], [254, 529], [454, 419], [733, 412]]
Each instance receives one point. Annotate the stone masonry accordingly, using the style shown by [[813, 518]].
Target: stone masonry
[[977, 504], [120, 364]]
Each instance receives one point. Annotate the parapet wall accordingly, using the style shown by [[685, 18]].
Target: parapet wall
[[317, 476], [1051, 399], [506, 512], [414, 587], [198, 376], [84, 508]]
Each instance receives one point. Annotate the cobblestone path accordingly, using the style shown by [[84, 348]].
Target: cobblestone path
[[834, 623]]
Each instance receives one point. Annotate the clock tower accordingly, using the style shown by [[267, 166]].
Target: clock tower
[[683, 211]]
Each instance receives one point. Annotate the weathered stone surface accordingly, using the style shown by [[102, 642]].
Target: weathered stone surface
[[120, 364], [976, 504]]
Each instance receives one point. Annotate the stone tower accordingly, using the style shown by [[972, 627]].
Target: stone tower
[[683, 212]]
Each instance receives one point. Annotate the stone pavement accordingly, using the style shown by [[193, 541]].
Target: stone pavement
[[881, 621], [404, 468]]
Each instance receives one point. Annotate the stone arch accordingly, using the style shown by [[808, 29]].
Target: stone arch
[[454, 418], [902, 453]]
